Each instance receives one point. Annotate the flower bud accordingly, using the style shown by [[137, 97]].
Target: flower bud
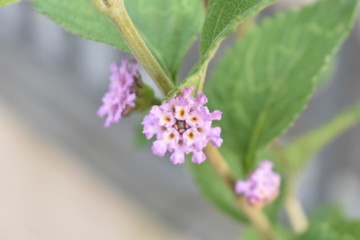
[[261, 187]]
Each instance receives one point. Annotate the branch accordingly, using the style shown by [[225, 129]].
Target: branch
[[293, 208], [116, 10]]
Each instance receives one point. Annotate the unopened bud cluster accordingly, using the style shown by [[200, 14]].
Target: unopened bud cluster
[[261, 187]]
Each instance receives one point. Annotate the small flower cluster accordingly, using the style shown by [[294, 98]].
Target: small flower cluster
[[120, 98], [261, 187], [182, 125]]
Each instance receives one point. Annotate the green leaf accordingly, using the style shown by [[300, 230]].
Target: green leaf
[[326, 74], [81, 18], [319, 232], [222, 18], [281, 233], [330, 223], [337, 221], [303, 148], [140, 141], [169, 27], [264, 81], [327, 224], [6, 2], [215, 190]]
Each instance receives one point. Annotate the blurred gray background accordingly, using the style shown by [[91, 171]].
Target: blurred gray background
[[51, 82]]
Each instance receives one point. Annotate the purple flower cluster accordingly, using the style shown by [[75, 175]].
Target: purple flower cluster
[[182, 126], [261, 187], [119, 99]]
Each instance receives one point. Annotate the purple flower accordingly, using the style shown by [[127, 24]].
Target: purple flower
[[261, 187], [119, 99], [182, 126]]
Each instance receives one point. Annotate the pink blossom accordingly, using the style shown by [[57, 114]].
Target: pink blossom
[[261, 187], [182, 126], [119, 99]]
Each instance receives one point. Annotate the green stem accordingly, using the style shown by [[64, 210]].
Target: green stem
[[201, 73], [155, 101], [293, 207], [116, 10]]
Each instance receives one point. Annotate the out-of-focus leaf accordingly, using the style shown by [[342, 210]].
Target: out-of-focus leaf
[[334, 217], [330, 224], [319, 232], [168, 26], [303, 148], [215, 190], [222, 18], [6, 2], [280, 231], [327, 74], [140, 140], [263, 82]]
